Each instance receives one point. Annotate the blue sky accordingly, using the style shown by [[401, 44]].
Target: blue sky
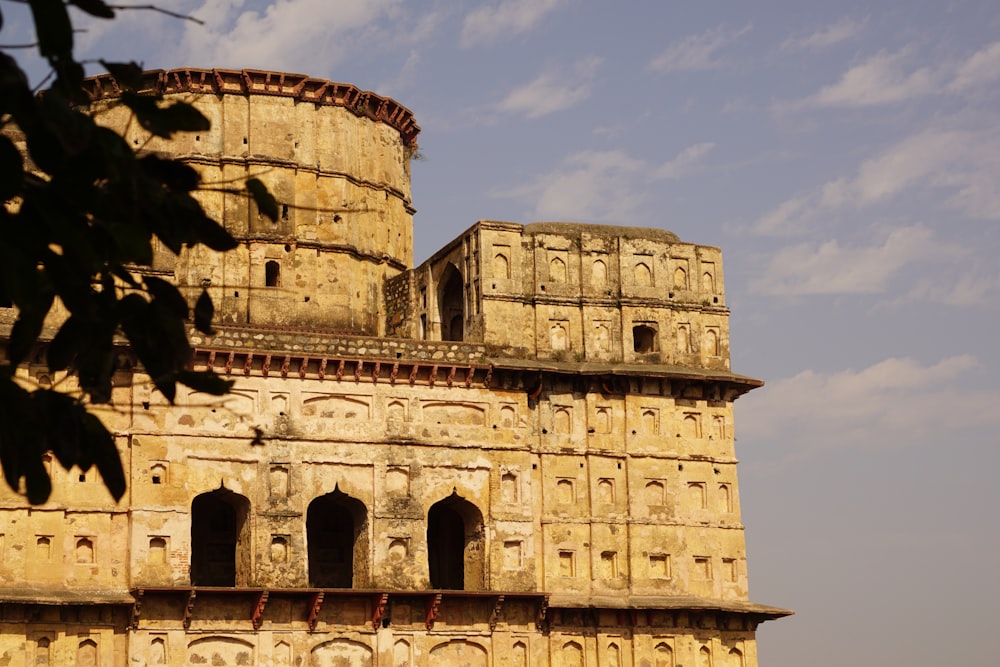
[[845, 156]]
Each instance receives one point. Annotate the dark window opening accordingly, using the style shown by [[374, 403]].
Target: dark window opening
[[336, 527], [451, 300], [644, 339], [272, 274], [455, 545], [220, 539]]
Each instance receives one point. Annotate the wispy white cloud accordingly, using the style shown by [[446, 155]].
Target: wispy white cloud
[[697, 52], [552, 90], [291, 35], [974, 286], [882, 79], [684, 161], [827, 36], [980, 68], [601, 186], [965, 162], [404, 78], [830, 268], [896, 77], [504, 20], [887, 404]]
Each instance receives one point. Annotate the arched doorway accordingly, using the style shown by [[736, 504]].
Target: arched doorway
[[220, 539], [336, 529], [451, 301], [455, 545]]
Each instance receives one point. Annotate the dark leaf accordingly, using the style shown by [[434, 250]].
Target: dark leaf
[[266, 203], [63, 348], [168, 296], [24, 334], [212, 234], [53, 27], [58, 416], [100, 442], [173, 174], [128, 75], [11, 169], [38, 486], [163, 119], [95, 8], [204, 311], [206, 382]]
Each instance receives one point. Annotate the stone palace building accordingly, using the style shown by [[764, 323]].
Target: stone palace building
[[519, 453]]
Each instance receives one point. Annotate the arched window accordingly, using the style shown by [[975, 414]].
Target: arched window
[[455, 544], [664, 656], [43, 651], [336, 525], [680, 278], [644, 339], [557, 270], [86, 653], [220, 539], [572, 654], [643, 275], [501, 266], [451, 301], [272, 274], [599, 273], [84, 550]]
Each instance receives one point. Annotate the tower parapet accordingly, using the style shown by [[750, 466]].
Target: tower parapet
[[334, 156]]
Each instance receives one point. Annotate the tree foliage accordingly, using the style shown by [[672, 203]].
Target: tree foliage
[[82, 210]]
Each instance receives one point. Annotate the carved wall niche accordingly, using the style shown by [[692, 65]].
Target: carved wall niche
[[559, 335], [599, 273], [86, 653], [659, 566], [456, 414], [557, 266], [643, 271], [513, 552], [158, 650], [397, 480], [684, 338], [510, 487], [680, 272], [278, 480], [691, 425], [606, 491], [708, 277], [562, 419], [395, 410], [650, 421], [158, 549], [84, 552], [398, 549], [697, 495], [501, 261], [602, 419], [342, 652], [711, 341], [459, 652], [565, 491], [601, 336], [508, 415], [654, 493], [336, 406]]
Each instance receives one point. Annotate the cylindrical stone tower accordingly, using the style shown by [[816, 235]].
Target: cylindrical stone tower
[[337, 160]]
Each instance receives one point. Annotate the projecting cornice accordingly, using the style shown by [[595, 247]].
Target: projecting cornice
[[262, 82]]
